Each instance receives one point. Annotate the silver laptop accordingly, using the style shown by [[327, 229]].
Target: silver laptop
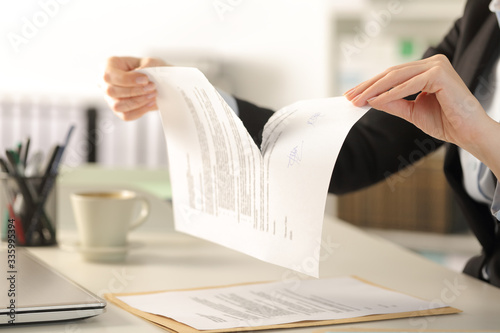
[[31, 291]]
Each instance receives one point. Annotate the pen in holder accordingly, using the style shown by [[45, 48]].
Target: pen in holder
[[29, 203], [29, 194]]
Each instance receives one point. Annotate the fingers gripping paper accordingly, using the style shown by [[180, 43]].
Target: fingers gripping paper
[[267, 203]]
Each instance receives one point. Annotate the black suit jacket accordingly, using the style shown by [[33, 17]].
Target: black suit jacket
[[380, 144]]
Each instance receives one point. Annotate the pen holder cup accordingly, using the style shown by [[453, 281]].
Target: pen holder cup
[[28, 209]]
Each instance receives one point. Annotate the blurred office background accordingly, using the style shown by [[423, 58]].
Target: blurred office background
[[269, 52]]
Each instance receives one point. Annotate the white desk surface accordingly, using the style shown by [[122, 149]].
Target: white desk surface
[[171, 260]]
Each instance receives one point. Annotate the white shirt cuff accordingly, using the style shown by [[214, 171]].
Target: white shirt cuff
[[495, 206]]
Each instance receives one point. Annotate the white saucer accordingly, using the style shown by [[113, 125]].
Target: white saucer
[[111, 253]]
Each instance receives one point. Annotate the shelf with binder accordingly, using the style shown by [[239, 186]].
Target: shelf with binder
[[371, 38]]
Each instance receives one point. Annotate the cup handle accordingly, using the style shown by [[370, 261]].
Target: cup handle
[[143, 215]]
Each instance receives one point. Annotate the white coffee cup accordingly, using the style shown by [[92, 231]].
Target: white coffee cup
[[104, 219]]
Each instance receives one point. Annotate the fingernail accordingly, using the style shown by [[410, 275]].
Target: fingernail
[[153, 95], [348, 92], [149, 87], [371, 99], [355, 99], [151, 104], [142, 80]]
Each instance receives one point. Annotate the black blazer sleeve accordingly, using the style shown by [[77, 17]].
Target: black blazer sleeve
[[377, 146], [254, 118]]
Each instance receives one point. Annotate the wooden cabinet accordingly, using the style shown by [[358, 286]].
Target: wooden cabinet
[[417, 198]]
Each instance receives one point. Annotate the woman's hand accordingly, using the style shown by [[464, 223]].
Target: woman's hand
[[130, 94], [444, 109]]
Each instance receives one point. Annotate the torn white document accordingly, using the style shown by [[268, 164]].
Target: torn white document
[[276, 303], [268, 204]]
